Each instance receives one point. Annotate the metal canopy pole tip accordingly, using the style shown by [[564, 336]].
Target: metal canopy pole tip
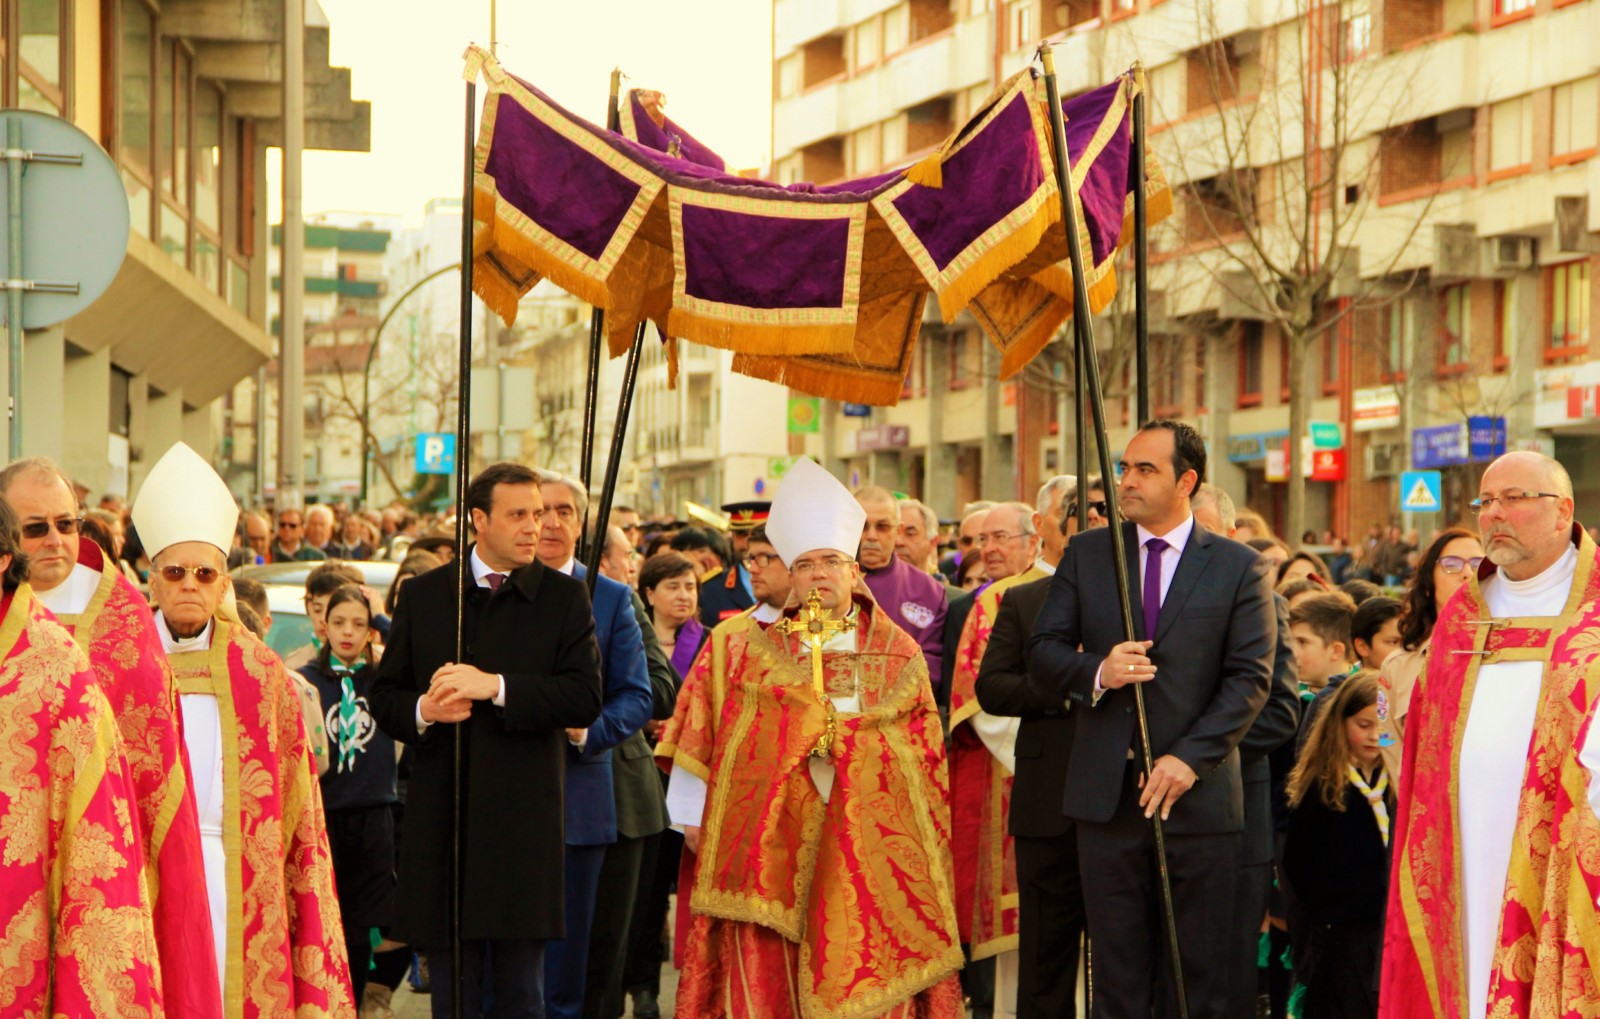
[[619, 433], [463, 465], [1091, 367], [1141, 246]]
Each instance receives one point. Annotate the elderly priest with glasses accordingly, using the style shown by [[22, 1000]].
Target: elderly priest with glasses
[[808, 771], [269, 876], [110, 621]]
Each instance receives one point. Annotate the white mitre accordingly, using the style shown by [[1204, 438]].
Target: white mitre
[[184, 499], [813, 511]]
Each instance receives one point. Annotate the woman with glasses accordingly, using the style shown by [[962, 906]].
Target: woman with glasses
[[1446, 565]]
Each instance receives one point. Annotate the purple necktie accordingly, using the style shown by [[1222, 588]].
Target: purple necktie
[[494, 580], [1152, 586]]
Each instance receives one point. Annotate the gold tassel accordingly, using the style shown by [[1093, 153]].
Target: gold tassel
[[928, 171]]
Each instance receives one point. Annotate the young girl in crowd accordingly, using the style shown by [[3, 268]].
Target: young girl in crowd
[[358, 790], [1336, 852]]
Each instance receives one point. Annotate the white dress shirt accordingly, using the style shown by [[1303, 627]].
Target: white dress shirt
[[1177, 540]]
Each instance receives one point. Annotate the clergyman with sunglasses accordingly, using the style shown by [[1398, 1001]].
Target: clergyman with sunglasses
[[81, 585], [1497, 808], [254, 783]]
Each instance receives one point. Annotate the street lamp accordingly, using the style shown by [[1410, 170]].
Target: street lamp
[[366, 371]]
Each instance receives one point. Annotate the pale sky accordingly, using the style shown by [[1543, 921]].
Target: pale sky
[[712, 58]]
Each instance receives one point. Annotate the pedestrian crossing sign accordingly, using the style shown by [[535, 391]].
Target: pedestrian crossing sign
[[1420, 492]]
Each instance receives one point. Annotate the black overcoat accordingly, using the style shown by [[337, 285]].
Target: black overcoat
[[538, 632]]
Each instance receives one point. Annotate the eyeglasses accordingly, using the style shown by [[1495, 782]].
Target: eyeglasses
[[40, 528], [203, 575], [291, 524], [997, 537], [759, 560], [1453, 564], [811, 567], [1509, 500], [1098, 506]]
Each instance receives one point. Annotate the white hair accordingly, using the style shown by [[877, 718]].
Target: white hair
[[1219, 497], [1066, 484], [930, 519]]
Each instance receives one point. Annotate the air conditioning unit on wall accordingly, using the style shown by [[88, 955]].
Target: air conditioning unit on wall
[[1508, 255], [1385, 459]]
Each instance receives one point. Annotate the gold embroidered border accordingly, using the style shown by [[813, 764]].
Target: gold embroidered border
[[555, 253], [16, 617], [86, 785], [206, 672], [844, 315]]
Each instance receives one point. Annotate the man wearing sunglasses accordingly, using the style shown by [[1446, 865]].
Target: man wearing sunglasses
[[269, 874], [1497, 807], [79, 938], [290, 545], [81, 585]]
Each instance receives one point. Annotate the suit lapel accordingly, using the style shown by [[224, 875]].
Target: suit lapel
[[1191, 564]]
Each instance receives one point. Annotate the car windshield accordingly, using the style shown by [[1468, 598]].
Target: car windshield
[[288, 633]]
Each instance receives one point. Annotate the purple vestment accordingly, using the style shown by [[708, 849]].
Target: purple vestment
[[917, 603]]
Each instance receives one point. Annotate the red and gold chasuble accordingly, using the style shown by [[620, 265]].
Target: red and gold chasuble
[[980, 795], [118, 634], [77, 938], [841, 909], [1549, 933], [286, 952]]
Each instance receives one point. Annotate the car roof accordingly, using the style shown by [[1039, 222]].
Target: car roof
[[374, 573]]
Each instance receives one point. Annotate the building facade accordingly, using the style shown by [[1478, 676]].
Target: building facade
[[1456, 187], [186, 98]]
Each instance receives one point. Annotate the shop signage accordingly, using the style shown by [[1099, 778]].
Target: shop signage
[[1486, 438], [1480, 440], [1328, 465], [1375, 408], [1326, 435], [883, 437], [1251, 447]]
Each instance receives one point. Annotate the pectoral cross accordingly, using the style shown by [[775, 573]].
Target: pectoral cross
[[816, 627]]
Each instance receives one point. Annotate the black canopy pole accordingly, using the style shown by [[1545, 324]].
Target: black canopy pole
[[1141, 247], [1091, 367], [619, 433], [1080, 323], [463, 469], [597, 332]]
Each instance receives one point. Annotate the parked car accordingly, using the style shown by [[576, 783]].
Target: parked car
[[376, 574], [286, 597]]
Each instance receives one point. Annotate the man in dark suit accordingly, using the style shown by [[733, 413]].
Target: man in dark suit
[[1203, 616], [531, 672], [1050, 908], [641, 817], [1275, 727], [591, 808]]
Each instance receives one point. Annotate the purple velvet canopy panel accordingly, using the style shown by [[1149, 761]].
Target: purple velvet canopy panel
[[819, 287]]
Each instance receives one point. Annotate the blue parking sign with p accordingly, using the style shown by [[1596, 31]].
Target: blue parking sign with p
[[436, 453]]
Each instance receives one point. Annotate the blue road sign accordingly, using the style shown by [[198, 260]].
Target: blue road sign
[[1421, 492], [436, 453]]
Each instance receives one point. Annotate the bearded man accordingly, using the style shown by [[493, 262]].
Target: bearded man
[[1491, 900]]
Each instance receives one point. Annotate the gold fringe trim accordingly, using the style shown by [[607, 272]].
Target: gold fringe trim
[[574, 281], [995, 946], [771, 340], [822, 380], [492, 287], [1024, 348], [959, 292], [928, 171], [672, 361]]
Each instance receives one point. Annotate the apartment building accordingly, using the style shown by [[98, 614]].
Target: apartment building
[[185, 95], [1459, 199]]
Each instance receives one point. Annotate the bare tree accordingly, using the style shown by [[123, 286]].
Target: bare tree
[[421, 385], [1282, 176]]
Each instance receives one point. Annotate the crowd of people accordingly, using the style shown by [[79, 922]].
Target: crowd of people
[[832, 757]]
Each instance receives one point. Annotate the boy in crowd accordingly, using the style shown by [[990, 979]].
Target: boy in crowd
[[1375, 631]]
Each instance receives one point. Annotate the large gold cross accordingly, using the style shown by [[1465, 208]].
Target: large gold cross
[[816, 627]]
